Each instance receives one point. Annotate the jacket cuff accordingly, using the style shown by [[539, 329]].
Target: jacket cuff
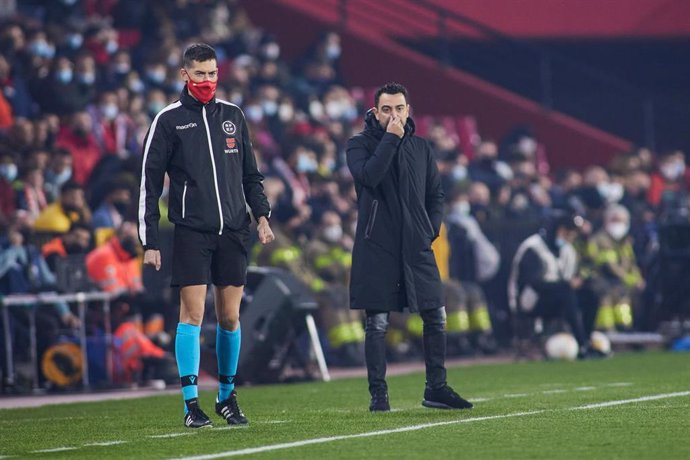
[[150, 247]]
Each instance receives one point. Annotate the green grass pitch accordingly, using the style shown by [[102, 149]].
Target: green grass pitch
[[523, 410]]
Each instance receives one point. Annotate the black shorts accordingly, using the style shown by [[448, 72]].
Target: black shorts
[[203, 258]]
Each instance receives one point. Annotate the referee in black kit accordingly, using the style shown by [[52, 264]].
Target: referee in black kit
[[203, 144], [400, 208]]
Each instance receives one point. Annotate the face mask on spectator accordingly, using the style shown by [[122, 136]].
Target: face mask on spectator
[[9, 171], [611, 192], [109, 111], [157, 76], [461, 208], [269, 107], [136, 86], [286, 112], [333, 52], [122, 68], [121, 206], [333, 233], [617, 230], [236, 98], [111, 46], [130, 246], [42, 48], [271, 51], [459, 173], [64, 176], [560, 242], [64, 75], [87, 78], [173, 60], [155, 106], [335, 109], [254, 113], [316, 109], [306, 164], [74, 248], [74, 41], [673, 170]]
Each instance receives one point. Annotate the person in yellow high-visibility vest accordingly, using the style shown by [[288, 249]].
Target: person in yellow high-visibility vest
[[615, 276]]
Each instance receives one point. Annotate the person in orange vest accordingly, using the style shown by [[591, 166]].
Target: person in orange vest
[[76, 241], [132, 347], [115, 266]]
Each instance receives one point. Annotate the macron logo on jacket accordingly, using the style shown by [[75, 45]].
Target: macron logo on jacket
[[187, 126]]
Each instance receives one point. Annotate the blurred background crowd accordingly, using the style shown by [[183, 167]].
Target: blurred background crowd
[[82, 80]]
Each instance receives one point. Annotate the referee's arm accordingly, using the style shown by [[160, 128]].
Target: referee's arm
[[252, 179], [157, 147]]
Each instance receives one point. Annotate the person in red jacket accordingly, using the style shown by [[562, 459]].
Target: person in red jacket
[[115, 266], [78, 138]]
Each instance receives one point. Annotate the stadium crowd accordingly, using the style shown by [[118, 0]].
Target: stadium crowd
[[82, 80]]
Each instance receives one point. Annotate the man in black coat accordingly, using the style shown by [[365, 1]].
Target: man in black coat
[[400, 208]]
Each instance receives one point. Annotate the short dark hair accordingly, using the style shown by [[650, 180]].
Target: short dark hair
[[79, 225], [390, 88], [198, 52], [70, 186]]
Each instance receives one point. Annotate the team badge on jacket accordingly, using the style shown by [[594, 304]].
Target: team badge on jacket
[[229, 127]]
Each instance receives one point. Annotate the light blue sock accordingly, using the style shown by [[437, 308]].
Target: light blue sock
[[228, 353], [187, 355]]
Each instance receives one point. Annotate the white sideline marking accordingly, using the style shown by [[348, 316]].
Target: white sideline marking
[[585, 388], [553, 392], [515, 395], [619, 384], [172, 435], [107, 443], [634, 400], [307, 442], [56, 449]]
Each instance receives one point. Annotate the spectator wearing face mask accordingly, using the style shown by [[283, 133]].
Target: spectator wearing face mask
[[616, 278], [58, 173], [8, 173], [671, 182], [77, 137], [112, 128], [71, 207], [115, 266], [113, 210], [32, 197], [330, 257]]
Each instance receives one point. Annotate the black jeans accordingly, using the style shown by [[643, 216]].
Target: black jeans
[[558, 299], [434, 348]]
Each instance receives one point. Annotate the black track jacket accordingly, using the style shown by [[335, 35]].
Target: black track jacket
[[206, 151]]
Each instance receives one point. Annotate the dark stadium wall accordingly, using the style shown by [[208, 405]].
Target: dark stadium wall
[[578, 18], [369, 61]]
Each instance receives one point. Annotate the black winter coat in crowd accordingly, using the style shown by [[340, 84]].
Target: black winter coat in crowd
[[400, 205]]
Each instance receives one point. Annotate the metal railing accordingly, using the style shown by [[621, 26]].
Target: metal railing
[[31, 302]]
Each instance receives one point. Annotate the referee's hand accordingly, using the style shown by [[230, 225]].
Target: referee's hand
[[153, 257], [265, 232]]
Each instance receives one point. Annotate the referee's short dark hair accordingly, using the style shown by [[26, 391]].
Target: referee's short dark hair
[[198, 52], [390, 88]]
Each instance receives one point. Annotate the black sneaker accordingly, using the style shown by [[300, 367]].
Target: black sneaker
[[444, 398], [195, 417], [379, 401], [230, 410]]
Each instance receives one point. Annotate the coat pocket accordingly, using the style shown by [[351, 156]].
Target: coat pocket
[[372, 219]]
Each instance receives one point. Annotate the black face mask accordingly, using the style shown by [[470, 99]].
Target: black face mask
[[131, 246], [74, 248], [121, 206], [68, 208], [80, 132]]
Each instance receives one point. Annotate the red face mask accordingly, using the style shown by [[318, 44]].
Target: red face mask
[[202, 91]]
